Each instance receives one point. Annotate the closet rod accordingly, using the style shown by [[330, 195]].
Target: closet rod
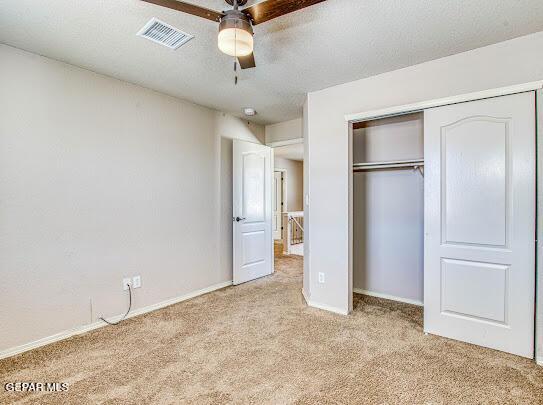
[[388, 165]]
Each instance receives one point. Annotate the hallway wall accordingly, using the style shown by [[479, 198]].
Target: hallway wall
[[295, 182]]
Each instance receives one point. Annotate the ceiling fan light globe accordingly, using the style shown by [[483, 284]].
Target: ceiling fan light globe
[[235, 42]]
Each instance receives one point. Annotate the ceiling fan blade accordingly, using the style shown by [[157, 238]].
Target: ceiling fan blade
[[267, 10], [247, 62], [188, 8]]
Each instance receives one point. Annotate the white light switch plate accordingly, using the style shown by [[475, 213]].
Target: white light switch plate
[[321, 278], [136, 281]]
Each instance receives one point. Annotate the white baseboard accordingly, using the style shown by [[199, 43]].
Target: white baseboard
[[99, 324], [306, 298], [325, 307], [539, 360], [388, 297]]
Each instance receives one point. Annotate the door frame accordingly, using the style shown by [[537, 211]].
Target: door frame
[[277, 144], [536, 86], [284, 189], [539, 230], [284, 192]]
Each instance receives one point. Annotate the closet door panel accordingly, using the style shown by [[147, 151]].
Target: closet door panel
[[479, 273], [464, 287], [475, 173]]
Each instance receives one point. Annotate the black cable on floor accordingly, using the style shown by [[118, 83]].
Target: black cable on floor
[[124, 316]]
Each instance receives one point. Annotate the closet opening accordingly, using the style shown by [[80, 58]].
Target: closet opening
[[388, 208], [460, 240]]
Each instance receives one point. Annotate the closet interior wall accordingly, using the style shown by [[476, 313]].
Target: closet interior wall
[[388, 209]]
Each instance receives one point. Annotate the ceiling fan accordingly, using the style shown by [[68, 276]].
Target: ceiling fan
[[235, 25]]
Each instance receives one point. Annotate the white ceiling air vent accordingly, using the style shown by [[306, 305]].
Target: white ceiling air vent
[[164, 34]]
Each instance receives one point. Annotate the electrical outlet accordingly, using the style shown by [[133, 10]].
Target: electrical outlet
[[136, 282], [321, 278], [127, 282]]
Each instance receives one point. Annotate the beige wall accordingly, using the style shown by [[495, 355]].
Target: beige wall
[[327, 165], [284, 131], [295, 182], [101, 179]]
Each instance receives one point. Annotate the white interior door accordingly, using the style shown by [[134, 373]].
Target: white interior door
[[277, 204], [479, 272], [252, 215]]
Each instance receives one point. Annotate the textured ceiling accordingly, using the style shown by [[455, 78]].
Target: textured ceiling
[[330, 43]]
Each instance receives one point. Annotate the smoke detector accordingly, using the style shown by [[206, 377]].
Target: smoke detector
[[249, 112]]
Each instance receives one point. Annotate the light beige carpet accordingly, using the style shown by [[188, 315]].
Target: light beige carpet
[[259, 343]]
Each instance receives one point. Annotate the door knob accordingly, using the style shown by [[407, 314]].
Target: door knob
[[240, 219]]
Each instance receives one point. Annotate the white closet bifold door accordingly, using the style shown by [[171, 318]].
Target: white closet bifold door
[[479, 273]]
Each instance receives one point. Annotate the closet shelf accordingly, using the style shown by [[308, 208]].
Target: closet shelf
[[415, 163]]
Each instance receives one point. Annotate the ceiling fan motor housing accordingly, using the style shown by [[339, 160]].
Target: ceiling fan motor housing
[[240, 2], [236, 19]]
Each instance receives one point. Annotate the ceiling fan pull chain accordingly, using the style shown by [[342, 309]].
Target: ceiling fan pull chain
[[235, 51]]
